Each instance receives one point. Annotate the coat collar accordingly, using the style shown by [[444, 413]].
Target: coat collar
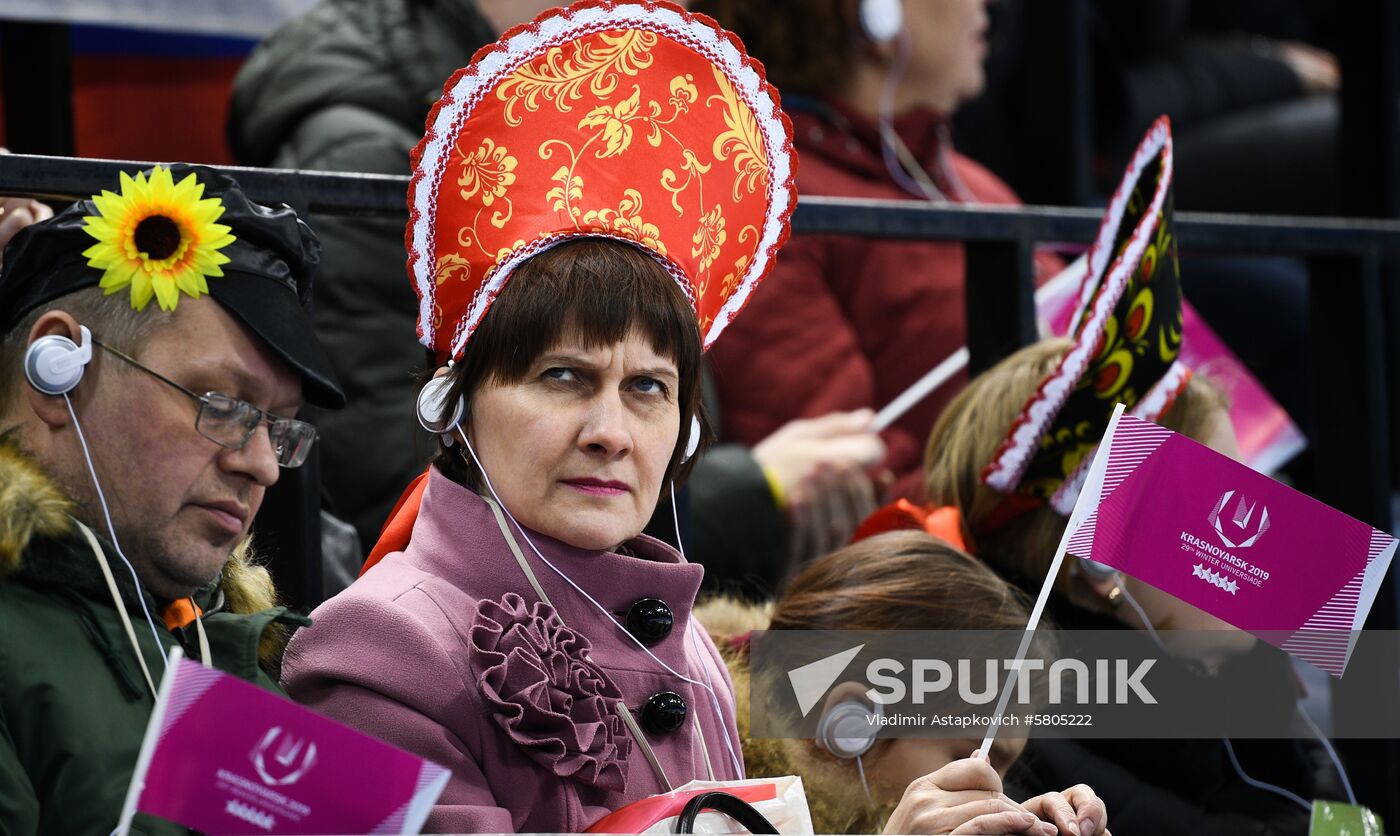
[[31, 505], [830, 129], [456, 538]]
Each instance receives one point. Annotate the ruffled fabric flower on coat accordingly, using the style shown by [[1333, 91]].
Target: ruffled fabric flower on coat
[[545, 693]]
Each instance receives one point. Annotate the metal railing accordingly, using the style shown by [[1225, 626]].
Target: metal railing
[[1344, 257]]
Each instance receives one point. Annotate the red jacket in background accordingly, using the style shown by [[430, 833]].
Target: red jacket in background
[[845, 322]]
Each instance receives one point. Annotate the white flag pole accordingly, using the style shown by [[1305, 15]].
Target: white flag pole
[[1061, 283], [922, 388], [1092, 484], [148, 743]]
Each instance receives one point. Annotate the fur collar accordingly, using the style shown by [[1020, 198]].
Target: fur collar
[[31, 506], [835, 797]]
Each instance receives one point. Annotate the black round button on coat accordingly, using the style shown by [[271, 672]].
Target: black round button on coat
[[664, 712], [650, 620]]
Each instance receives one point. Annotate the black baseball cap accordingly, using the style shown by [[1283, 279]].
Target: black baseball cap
[[266, 283]]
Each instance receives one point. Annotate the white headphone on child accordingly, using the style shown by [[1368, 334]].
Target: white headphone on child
[[881, 20], [846, 731], [54, 364], [1095, 569], [433, 413]]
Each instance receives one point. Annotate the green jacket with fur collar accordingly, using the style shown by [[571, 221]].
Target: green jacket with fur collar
[[73, 701]]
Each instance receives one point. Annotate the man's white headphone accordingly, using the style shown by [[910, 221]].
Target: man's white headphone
[[881, 20], [54, 364], [433, 414]]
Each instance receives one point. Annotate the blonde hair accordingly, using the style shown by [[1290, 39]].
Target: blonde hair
[[973, 426]]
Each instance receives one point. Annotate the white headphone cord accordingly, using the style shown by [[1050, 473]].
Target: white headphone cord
[[676, 520], [1261, 785], [714, 700], [1230, 747], [699, 652], [860, 768], [1332, 753], [112, 531], [888, 150], [690, 637]]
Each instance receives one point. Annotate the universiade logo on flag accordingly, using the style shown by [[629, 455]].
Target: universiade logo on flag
[[224, 756], [1244, 513], [1259, 555]]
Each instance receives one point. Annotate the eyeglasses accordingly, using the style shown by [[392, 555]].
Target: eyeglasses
[[230, 422]]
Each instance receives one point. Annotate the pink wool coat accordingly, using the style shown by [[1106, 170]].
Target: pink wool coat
[[445, 650]]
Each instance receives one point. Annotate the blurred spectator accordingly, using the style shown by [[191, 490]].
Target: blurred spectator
[[1248, 98], [759, 515], [850, 323], [1255, 114], [347, 88]]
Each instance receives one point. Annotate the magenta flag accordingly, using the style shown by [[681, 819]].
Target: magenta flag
[[223, 756], [1257, 554]]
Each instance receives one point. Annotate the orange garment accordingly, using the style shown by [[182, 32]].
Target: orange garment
[[180, 613], [944, 523], [397, 530]]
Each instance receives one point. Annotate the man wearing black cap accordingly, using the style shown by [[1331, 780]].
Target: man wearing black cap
[[154, 348]]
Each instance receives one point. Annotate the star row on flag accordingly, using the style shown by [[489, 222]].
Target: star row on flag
[[1213, 578]]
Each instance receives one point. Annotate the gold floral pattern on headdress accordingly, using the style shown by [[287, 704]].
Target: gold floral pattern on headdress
[[742, 140], [489, 170], [157, 237], [561, 74], [709, 238], [629, 120]]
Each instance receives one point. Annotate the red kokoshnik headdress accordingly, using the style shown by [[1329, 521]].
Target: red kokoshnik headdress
[[1127, 338], [634, 121]]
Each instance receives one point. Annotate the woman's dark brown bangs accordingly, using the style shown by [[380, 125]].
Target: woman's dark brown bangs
[[592, 291], [596, 291]]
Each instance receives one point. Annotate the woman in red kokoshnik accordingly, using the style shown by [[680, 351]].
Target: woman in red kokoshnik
[[594, 199]]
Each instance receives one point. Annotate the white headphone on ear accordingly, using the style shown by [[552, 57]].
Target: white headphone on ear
[[54, 364], [432, 406], [846, 731], [693, 442], [881, 20]]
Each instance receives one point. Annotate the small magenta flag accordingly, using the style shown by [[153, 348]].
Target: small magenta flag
[[1253, 552], [224, 756]]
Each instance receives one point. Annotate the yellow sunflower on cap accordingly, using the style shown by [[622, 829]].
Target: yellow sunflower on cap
[[158, 237]]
